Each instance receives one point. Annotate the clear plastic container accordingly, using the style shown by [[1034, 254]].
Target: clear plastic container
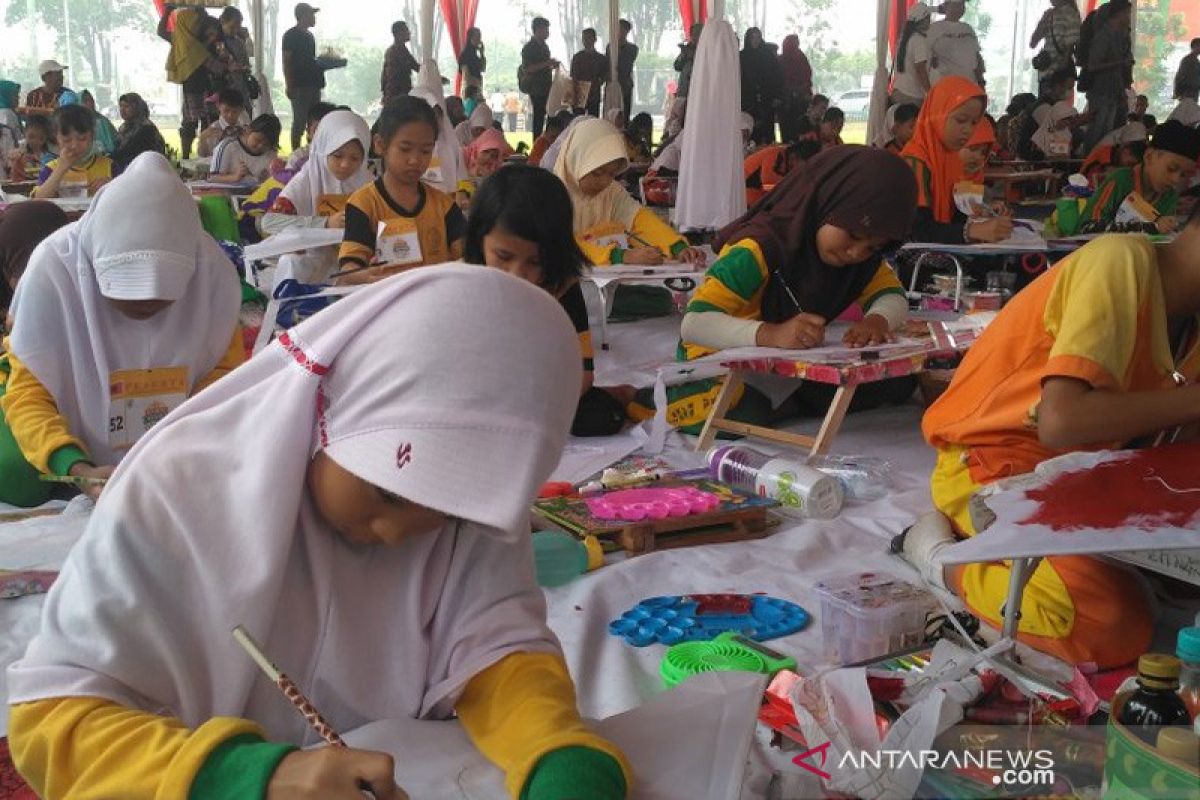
[[862, 478], [802, 491], [870, 614]]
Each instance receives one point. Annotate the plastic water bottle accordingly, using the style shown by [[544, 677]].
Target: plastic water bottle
[[801, 490], [560, 557], [862, 478]]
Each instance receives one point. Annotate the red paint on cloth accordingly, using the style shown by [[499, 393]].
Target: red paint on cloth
[[1149, 490]]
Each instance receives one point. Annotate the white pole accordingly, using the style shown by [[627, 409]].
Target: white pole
[[427, 31], [879, 97], [612, 94], [67, 32]]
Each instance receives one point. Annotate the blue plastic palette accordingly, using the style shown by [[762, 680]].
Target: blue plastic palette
[[700, 617]]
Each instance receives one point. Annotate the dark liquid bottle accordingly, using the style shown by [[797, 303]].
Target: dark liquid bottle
[[1155, 704]]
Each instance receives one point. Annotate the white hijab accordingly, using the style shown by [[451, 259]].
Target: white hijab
[[447, 153], [590, 145], [1126, 134], [140, 240], [885, 133], [481, 117], [315, 180], [551, 156], [711, 182], [1046, 136], [209, 523]]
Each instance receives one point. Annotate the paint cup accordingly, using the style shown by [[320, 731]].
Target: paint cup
[[1068, 216]]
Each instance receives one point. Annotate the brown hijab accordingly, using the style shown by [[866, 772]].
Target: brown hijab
[[23, 226], [866, 191]]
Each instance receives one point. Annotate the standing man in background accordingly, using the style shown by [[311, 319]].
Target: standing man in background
[[302, 75], [398, 64], [627, 53], [1109, 62], [588, 66], [953, 46], [1187, 77], [536, 73], [1058, 33]]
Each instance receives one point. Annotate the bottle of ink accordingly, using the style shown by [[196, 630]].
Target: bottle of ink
[[1155, 704]]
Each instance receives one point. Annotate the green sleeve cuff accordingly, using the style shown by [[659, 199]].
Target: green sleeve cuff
[[62, 459], [580, 773], [617, 256], [679, 247], [239, 768]]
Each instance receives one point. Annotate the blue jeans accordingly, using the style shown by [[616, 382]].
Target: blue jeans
[[1108, 116]]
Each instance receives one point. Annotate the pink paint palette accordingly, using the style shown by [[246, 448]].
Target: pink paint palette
[[635, 505]]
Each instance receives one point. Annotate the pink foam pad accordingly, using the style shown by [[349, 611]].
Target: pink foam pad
[[634, 505]]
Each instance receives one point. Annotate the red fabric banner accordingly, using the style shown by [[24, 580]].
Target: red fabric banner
[[459, 16], [688, 14]]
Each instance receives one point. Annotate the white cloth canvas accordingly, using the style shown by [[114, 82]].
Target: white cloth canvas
[[712, 189]]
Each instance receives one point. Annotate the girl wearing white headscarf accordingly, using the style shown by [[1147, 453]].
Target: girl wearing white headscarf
[[712, 188], [368, 525], [480, 120], [447, 167], [316, 196], [611, 226], [118, 319]]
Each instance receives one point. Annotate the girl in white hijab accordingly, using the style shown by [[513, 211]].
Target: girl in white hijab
[[469, 129], [610, 225], [117, 320], [316, 196], [712, 188], [366, 523], [447, 167]]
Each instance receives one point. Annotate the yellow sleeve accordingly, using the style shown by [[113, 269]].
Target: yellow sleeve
[[1095, 311], [523, 707], [651, 230], [33, 417], [883, 282], [81, 748], [596, 254], [234, 357]]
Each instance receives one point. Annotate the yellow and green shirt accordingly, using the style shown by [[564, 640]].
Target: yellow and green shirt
[[607, 243], [734, 285]]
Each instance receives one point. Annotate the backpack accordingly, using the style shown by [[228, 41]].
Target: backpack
[[1087, 32], [523, 82]]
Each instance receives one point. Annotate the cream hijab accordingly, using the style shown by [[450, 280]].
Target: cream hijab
[[447, 153], [315, 180], [181, 549], [590, 145], [140, 240]]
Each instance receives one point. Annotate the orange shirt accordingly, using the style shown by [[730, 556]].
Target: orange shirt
[[760, 171], [540, 146], [1097, 316]]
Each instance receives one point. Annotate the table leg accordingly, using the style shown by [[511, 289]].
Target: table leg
[[833, 419], [733, 382], [1021, 572]]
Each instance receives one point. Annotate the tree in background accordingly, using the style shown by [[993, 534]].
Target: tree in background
[[93, 24], [1157, 30]]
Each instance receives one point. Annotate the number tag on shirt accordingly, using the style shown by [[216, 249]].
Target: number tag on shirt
[[1135, 209], [620, 240], [139, 398], [398, 249]]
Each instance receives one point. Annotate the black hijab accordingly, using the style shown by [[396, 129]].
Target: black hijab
[[867, 191]]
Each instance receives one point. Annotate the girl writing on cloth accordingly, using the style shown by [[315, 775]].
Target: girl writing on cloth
[[118, 319], [611, 226], [483, 157], [370, 529], [398, 221], [316, 197], [805, 254], [1099, 352], [978, 150], [520, 222], [23, 226], [947, 120]]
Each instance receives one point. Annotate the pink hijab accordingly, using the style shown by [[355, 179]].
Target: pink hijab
[[490, 139]]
